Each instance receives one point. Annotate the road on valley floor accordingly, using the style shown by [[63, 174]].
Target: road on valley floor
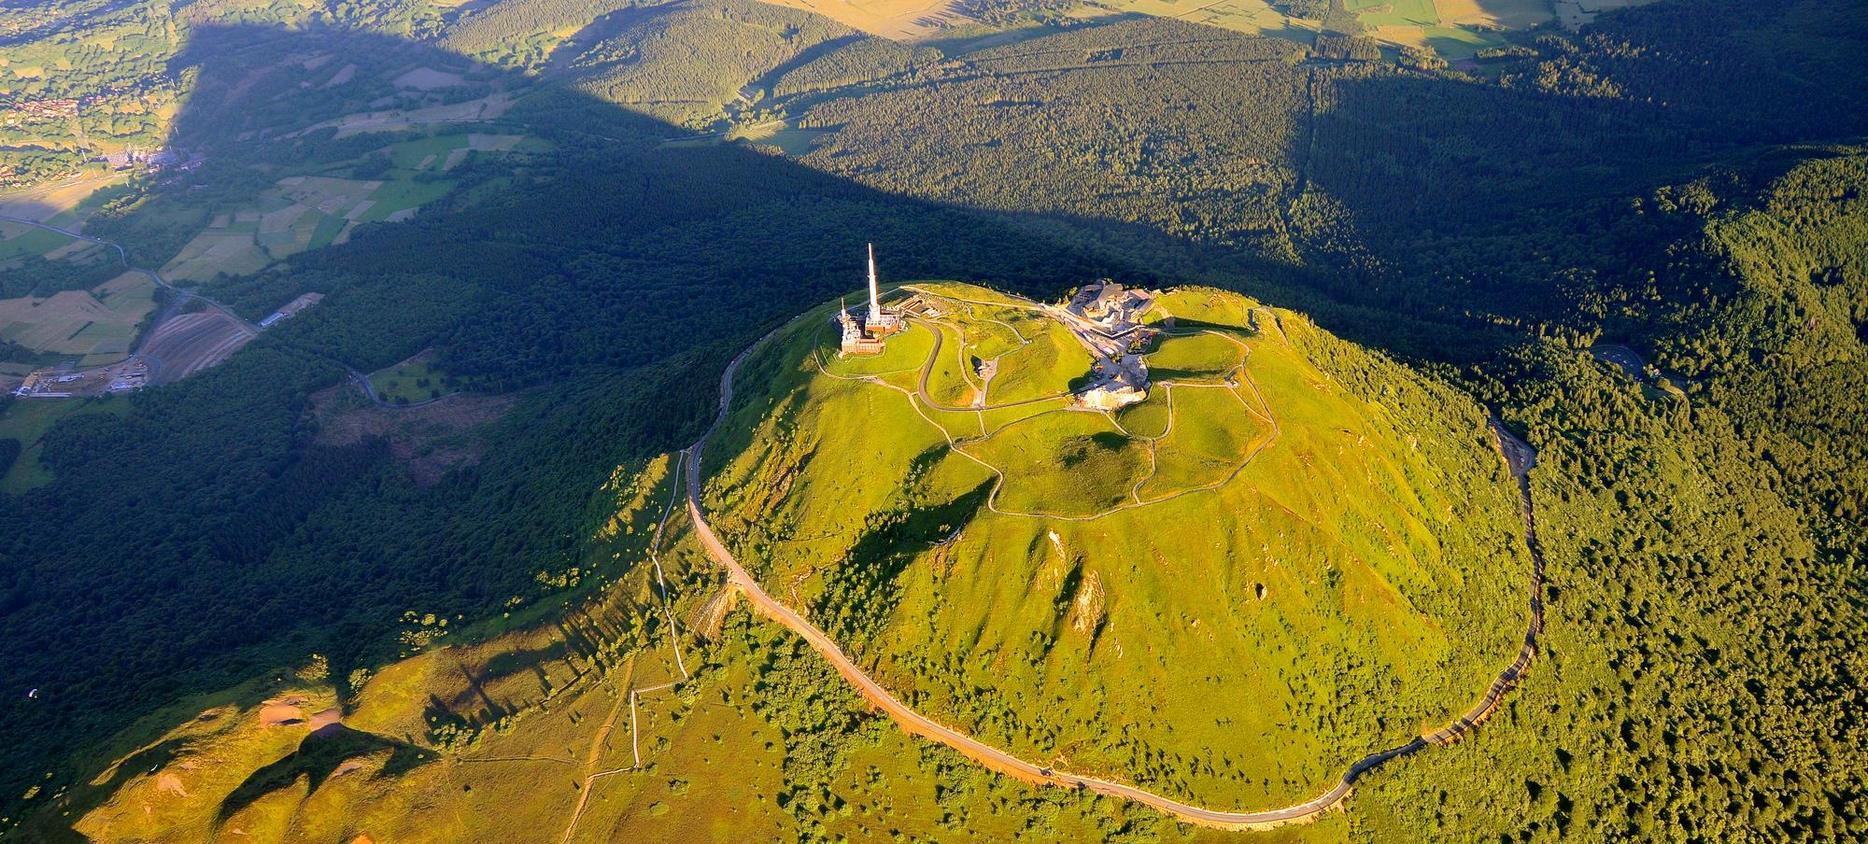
[[181, 296], [177, 299], [1518, 456]]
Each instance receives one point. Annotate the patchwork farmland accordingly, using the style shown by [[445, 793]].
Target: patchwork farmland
[[300, 213], [306, 212], [97, 324]]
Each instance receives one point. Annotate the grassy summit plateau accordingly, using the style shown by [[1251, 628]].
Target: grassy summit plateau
[[1293, 552]]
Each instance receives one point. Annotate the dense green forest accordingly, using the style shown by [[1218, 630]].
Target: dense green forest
[[682, 62], [1705, 639], [1441, 195], [1682, 178]]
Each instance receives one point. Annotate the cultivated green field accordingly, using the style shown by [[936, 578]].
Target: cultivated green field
[[27, 420], [414, 380], [300, 213], [18, 240], [1454, 28], [98, 324], [315, 209], [1029, 575], [1251, 17]]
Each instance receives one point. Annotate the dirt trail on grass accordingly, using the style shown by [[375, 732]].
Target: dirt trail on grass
[[1263, 411], [1518, 457], [595, 754]]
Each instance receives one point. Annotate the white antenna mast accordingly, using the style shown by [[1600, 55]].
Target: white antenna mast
[[875, 304]]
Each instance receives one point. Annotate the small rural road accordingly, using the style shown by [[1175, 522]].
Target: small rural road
[[1518, 456], [181, 295], [181, 298]]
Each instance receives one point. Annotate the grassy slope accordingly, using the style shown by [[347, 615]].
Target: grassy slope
[[492, 738], [1383, 537], [405, 380]]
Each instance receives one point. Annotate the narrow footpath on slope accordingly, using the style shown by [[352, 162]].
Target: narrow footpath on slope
[[1518, 457]]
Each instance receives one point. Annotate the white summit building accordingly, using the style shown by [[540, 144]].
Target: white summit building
[[864, 336]]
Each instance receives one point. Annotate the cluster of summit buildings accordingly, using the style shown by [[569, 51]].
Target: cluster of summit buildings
[[1104, 316]]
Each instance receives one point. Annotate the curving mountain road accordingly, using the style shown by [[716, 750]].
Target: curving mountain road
[[927, 371], [1518, 457]]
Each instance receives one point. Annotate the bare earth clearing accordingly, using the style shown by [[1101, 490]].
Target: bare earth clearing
[[424, 436], [190, 343]]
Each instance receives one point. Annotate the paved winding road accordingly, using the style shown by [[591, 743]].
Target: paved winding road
[[927, 370], [1518, 456]]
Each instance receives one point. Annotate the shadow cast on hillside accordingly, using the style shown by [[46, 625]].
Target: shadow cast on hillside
[[601, 258], [623, 272], [587, 262], [321, 755]]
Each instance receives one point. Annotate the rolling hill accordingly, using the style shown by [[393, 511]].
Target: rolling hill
[[1007, 563], [1293, 552], [255, 605]]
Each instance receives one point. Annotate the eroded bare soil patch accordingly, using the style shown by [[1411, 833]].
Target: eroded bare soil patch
[[430, 439]]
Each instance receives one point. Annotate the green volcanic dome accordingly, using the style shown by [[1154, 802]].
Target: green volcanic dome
[[1226, 579]]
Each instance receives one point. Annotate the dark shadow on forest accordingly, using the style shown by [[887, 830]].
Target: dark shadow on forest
[[622, 275], [617, 272]]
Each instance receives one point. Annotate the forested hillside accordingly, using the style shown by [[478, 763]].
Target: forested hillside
[[1706, 638], [1445, 195], [683, 62], [1685, 180]]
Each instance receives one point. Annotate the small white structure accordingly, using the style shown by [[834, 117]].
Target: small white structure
[[1120, 387], [291, 309]]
